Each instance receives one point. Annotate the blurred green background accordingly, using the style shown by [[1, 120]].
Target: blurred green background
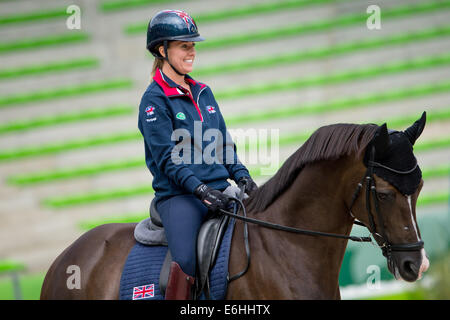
[[71, 156]]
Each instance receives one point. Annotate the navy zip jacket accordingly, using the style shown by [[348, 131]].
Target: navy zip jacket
[[180, 150]]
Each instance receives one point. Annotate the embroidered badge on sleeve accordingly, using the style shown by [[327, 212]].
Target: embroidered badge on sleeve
[[150, 110]]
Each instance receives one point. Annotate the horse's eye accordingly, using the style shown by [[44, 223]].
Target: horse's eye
[[382, 196], [385, 195]]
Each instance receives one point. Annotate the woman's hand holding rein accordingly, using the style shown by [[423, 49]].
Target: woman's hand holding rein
[[213, 199]]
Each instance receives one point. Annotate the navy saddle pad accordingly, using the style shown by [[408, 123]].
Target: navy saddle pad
[[140, 275]]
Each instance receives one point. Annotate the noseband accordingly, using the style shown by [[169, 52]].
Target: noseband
[[371, 193]]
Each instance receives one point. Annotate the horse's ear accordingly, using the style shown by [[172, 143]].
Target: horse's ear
[[381, 140], [416, 129]]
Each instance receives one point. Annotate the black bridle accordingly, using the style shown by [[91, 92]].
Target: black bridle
[[371, 193]]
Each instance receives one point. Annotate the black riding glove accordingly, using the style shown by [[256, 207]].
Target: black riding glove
[[213, 199], [250, 185]]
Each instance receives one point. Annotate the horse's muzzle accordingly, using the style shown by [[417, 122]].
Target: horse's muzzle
[[408, 265]]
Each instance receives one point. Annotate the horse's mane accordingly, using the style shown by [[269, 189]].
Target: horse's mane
[[326, 143]]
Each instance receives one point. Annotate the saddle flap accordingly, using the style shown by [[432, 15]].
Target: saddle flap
[[165, 271], [208, 244]]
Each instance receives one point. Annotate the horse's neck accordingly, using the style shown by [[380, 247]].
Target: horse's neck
[[316, 200], [303, 266]]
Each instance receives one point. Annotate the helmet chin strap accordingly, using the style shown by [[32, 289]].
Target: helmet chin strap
[[167, 59]]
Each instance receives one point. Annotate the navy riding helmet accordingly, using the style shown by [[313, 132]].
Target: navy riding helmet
[[170, 25]]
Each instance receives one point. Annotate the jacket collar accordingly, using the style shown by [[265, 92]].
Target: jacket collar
[[172, 89]]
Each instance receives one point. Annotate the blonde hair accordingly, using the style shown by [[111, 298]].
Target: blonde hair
[[157, 64]]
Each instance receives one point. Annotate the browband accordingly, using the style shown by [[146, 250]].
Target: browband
[[376, 164]]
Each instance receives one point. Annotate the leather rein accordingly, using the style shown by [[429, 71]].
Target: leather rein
[[371, 193]]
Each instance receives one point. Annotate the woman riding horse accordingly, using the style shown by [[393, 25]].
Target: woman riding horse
[[173, 106], [342, 173]]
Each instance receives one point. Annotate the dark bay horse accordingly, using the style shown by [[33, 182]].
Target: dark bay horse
[[320, 187]]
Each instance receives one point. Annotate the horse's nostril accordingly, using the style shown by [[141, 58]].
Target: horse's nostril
[[407, 266], [410, 267]]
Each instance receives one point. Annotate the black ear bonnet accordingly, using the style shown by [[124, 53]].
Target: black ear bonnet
[[394, 160]]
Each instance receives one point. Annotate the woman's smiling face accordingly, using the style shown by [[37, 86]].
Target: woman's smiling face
[[181, 55]]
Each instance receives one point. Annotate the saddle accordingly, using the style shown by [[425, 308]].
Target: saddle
[[208, 243]]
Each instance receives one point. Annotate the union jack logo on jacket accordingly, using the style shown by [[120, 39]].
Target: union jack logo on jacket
[[149, 110], [211, 109]]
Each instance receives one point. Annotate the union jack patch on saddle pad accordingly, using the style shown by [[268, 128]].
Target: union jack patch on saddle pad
[[143, 292]]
